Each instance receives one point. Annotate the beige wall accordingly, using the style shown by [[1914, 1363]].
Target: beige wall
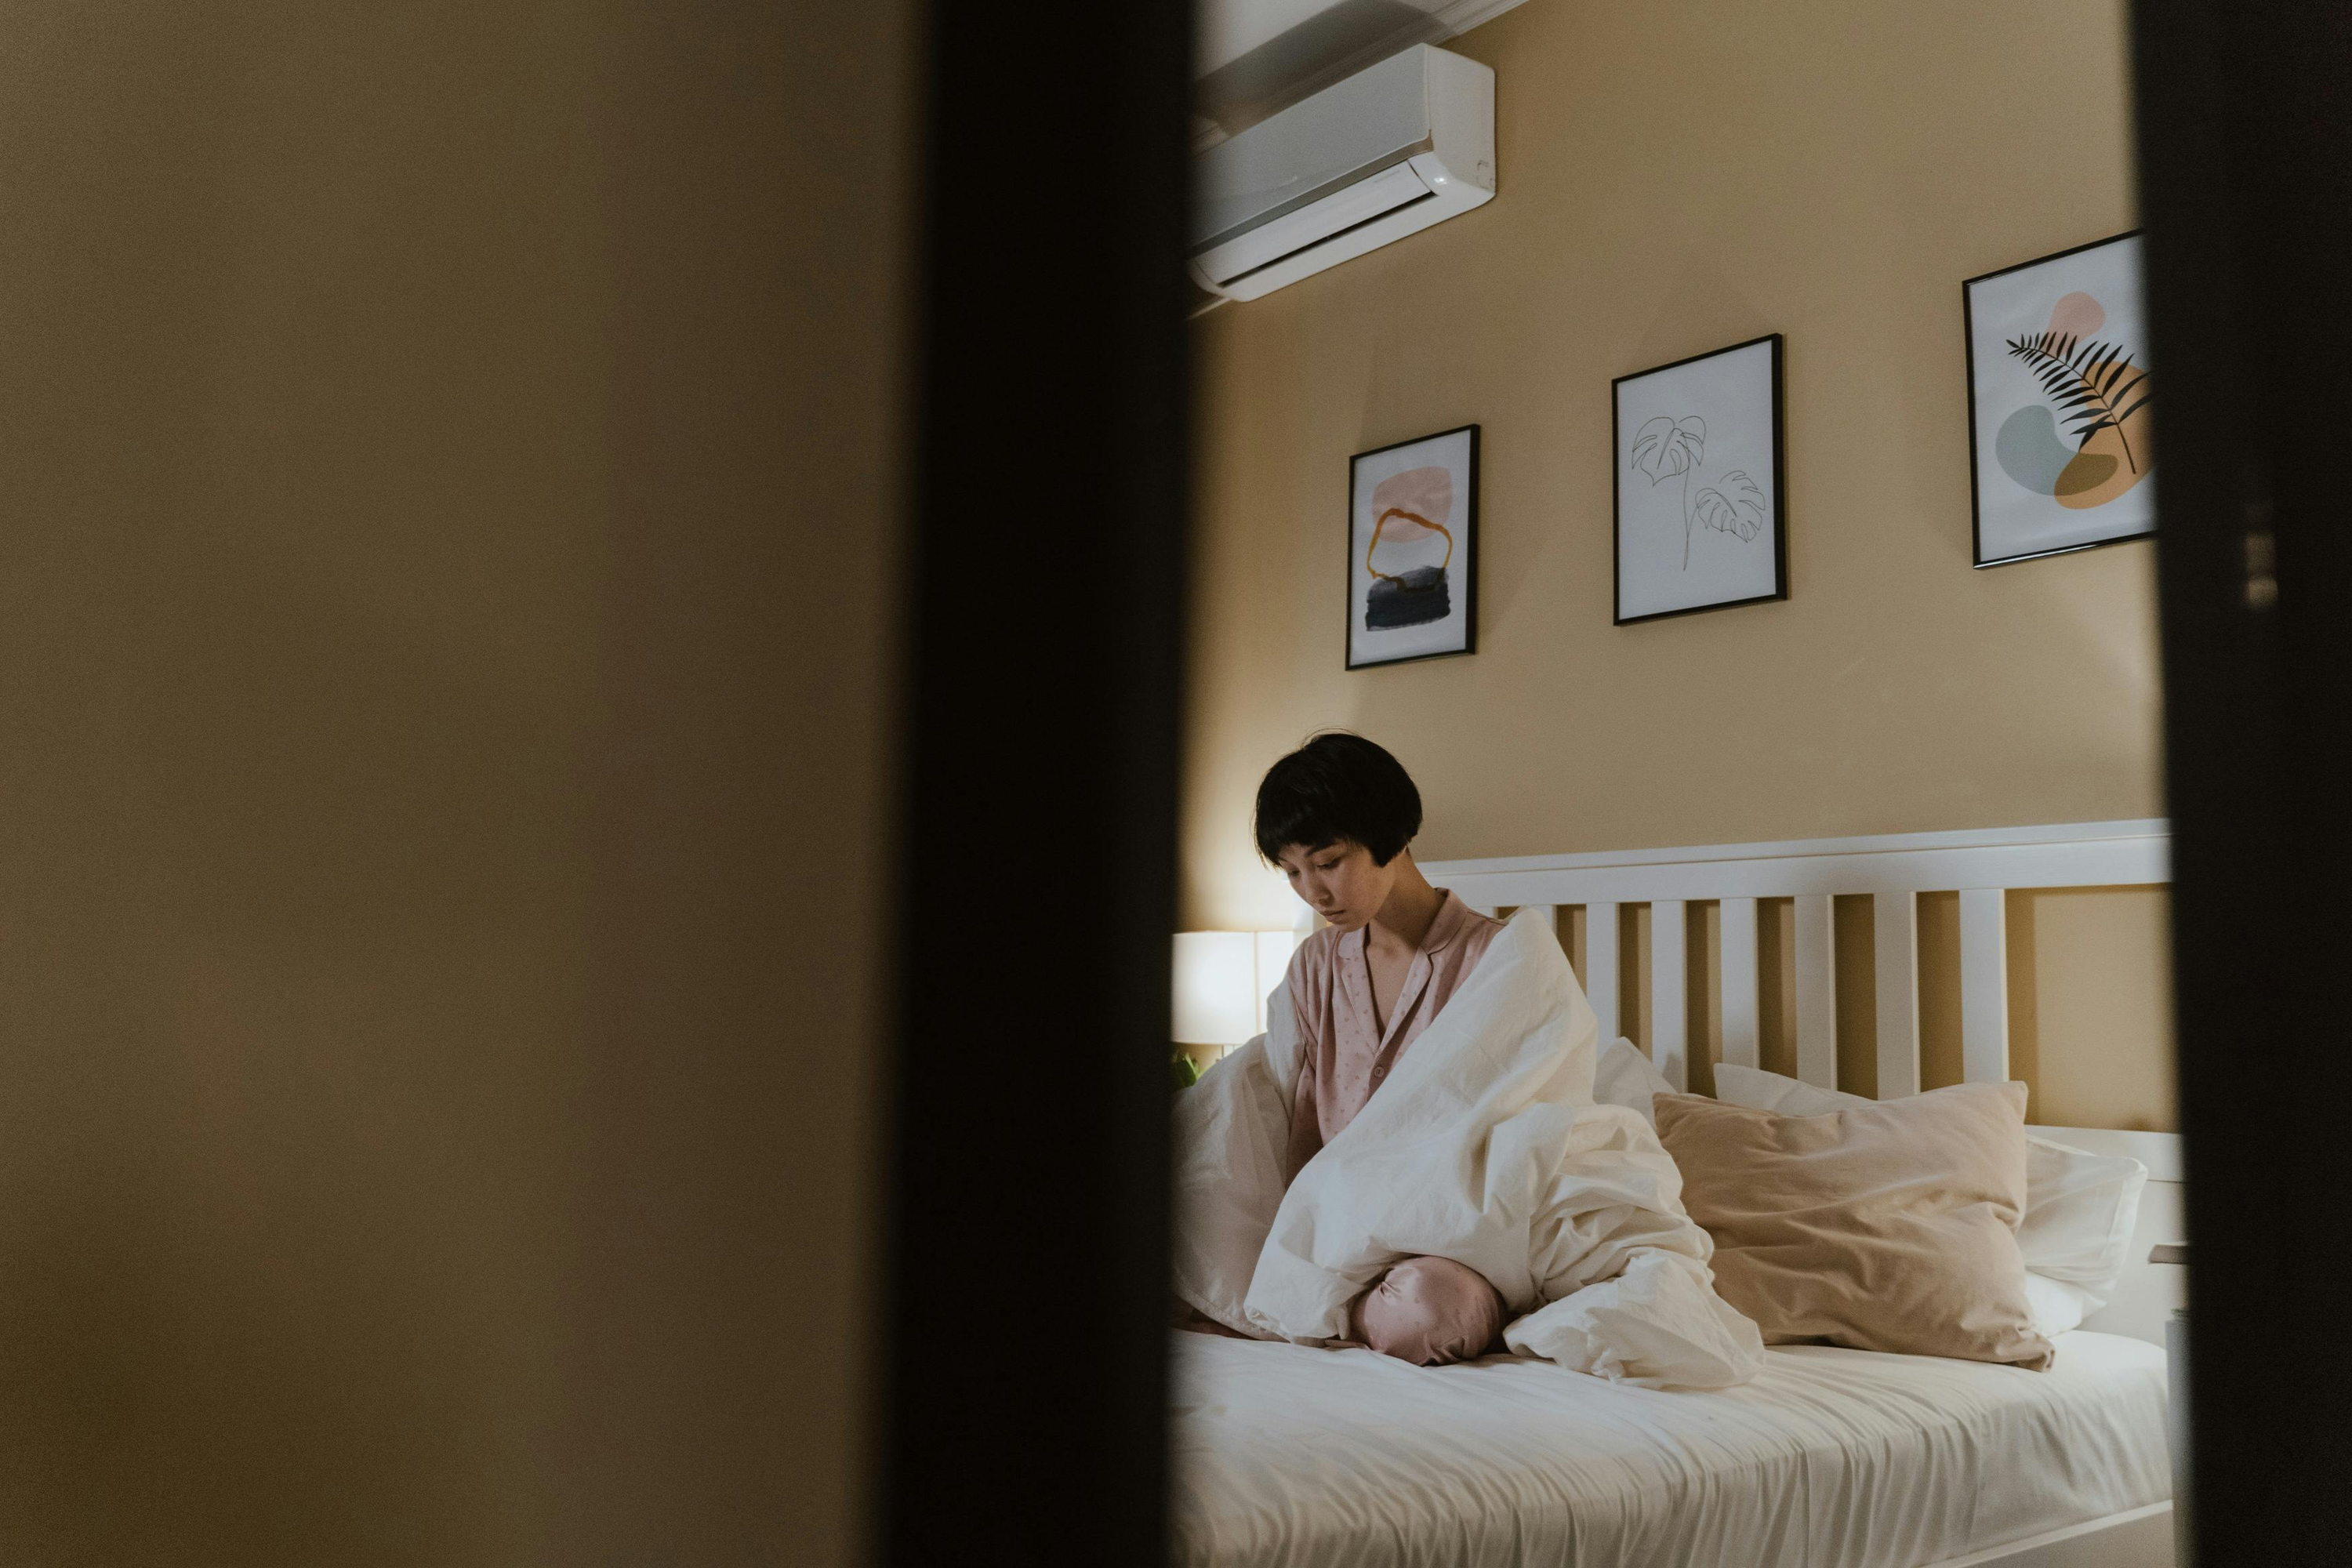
[[1677, 176], [446, 568]]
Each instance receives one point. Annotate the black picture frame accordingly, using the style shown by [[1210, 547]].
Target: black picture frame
[[1975, 480], [1779, 489], [1469, 549]]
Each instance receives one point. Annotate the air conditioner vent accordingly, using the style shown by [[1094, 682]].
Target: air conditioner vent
[[1392, 150]]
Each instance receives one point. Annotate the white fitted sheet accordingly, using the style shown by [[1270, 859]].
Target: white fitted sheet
[[1301, 1458]]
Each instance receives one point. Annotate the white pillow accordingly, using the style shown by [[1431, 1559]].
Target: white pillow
[[2055, 1308], [1623, 1075], [2079, 1206]]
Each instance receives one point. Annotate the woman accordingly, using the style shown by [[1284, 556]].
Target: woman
[[1410, 1154], [1338, 817]]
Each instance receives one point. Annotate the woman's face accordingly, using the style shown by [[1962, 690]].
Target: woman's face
[[1338, 881]]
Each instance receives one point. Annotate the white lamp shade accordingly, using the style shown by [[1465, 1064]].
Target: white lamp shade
[[1216, 1000]]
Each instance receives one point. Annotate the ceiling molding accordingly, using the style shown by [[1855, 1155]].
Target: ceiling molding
[[1461, 15], [1329, 41]]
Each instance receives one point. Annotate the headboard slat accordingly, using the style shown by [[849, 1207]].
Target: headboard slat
[[1669, 1007], [1601, 967], [1984, 984]]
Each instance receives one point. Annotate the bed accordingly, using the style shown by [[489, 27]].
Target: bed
[[1288, 1456], [1833, 1458]]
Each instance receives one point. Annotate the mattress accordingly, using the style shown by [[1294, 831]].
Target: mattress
[[1832, 1458]]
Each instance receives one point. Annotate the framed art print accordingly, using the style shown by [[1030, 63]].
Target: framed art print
[[1700, 485], [2060, 404], [1412, 550]]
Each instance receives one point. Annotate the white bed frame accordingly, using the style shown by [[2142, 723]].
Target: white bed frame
[[1893, 869]]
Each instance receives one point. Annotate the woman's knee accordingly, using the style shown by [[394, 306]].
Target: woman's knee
[[1429, 1311]]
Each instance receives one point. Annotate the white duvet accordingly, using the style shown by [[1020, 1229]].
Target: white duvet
[[1483, 1146]]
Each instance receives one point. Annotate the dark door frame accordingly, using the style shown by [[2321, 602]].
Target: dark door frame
[[2245, 162], [1025, 1343]]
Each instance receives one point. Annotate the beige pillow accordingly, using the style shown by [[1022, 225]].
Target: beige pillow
[[1886, 1226]]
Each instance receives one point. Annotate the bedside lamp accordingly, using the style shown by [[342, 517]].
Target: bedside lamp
[[1221, 981], [1215, 971]]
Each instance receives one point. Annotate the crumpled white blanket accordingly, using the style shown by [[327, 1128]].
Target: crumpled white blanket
[[1483, 1146]]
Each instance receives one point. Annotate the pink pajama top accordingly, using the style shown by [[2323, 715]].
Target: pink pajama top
[[1344, 1056]]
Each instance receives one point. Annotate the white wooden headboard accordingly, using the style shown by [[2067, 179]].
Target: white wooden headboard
[[1980, 865], [1893, 869]]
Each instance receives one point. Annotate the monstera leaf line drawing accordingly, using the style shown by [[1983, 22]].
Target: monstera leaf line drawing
[[1665, 448], [1735, 508], [1667, 445]]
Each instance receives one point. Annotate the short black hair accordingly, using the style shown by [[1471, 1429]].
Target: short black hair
[[1337, 788]]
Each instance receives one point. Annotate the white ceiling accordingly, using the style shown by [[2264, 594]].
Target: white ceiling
[[1225, 31], [1252, 58]]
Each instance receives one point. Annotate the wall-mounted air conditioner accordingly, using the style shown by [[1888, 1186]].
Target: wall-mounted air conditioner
[[1408, 144]]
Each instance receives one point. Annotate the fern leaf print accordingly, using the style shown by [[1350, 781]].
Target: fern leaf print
[[2087, 442]]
